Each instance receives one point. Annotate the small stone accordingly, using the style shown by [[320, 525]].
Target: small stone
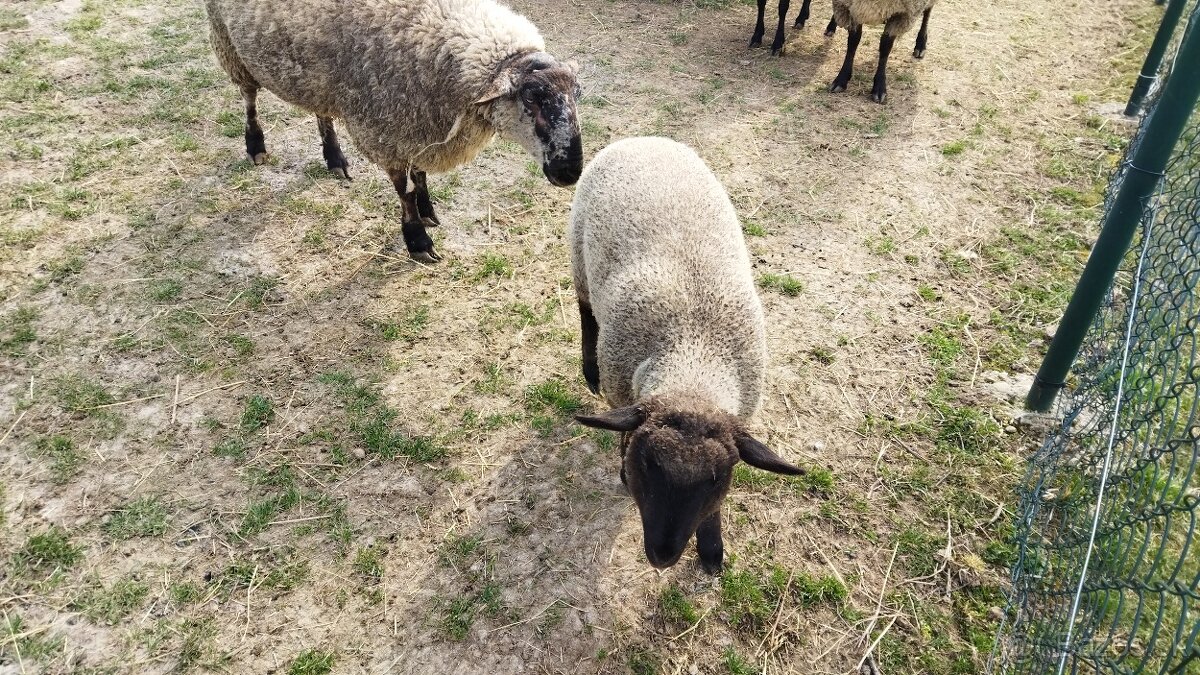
[[1010, 429], [967, 254], [816, 446], [996, 613], [359, 453]]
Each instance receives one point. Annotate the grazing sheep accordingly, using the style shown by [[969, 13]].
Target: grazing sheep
[[801, 19], [897, 16], [672, 334], [421, 85]]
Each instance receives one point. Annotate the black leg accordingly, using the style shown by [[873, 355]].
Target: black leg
[[424, 203], [780, 34], [256, 143], [922, 35], [802, 17], [418, 242], [709, 545], [590, 330], [879, 91], [853, 35], [760, 27], [831, 28], [335, 161]]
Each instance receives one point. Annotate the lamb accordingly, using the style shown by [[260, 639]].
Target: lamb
[[801, 19], [897, 17], [422, 86], [673, 336]]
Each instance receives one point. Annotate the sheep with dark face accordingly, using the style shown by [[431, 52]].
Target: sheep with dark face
[[421, 85], [672, 335]]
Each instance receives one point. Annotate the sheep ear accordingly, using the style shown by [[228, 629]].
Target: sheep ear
[[756, 454], [503, 85], [618, 419]]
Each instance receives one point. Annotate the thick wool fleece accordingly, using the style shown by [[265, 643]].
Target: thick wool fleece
[[403, 75], [658, 253], [897, 15]]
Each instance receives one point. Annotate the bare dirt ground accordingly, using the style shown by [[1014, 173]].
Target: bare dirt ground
[[241, 434]]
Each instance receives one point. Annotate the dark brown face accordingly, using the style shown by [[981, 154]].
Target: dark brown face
[[549, 97], [678, 474]]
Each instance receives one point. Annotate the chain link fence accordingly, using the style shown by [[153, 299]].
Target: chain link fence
[[1108, 575]]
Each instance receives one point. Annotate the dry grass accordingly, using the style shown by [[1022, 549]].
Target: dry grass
[[240, 433]]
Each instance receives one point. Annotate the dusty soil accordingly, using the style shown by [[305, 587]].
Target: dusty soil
[[240, 433]]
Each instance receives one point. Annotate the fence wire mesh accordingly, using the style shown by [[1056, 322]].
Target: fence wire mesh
[[1108, 577]]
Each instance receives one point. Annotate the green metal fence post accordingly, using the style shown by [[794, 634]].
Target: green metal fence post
[[1162, 130], [1154, 57]]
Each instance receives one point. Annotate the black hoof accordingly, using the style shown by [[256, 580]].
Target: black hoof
[[711, 566], [259, 158], [879, 96], [918, 53], [418, 243], [339, 172], [755, 42], [798, 24], [427, 256], [829, 33], [429, 221], [776, 51], [837, 87]]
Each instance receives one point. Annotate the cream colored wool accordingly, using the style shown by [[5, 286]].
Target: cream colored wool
[[658, 252]]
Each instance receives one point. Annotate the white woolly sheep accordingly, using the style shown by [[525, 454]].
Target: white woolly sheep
[[897, 16], [672, 335], [421, 85], [801, 19]]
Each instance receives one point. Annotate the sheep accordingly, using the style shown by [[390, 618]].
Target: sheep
[[897, 17], [422, 86], [673, 335], [801, 19]]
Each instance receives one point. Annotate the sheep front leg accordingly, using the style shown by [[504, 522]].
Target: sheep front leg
[[780, 33], [831, 28], [879, 90], [590, 330], [760, 27], [709, 544], [853, 35], [335, 161], [418, 242]]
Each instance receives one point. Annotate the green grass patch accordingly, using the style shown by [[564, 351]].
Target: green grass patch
[[143, 517], [258, 413], [312, 662], [110, 605], [781, 283], [675, 607], [65, 460], [48, 551], [78, 394]]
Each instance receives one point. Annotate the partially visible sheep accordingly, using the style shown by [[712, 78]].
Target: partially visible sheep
[[672, 334], [422, 85], [777, 45], [897, 16]]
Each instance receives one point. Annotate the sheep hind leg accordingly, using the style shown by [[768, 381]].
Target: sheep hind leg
[[416, 240], [853, 36], [256, 142], [831, 28], [922, 36], [709, 545], [424, 202], [335, 161], [590, 331], [802, 17]]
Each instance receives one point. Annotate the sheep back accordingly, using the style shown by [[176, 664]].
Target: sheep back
[[898, 15], [404, 76], [658, 253]]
